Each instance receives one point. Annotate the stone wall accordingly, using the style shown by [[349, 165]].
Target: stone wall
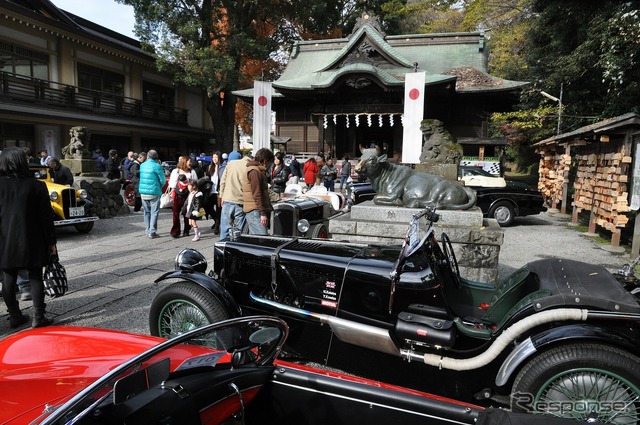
[[105, 195]]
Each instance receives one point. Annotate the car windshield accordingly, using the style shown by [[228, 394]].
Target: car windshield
[[248, 340]]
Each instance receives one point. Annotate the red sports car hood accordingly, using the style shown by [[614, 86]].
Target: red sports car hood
[[48, 365]]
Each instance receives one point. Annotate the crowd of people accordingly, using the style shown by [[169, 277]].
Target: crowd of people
[[234, 190]]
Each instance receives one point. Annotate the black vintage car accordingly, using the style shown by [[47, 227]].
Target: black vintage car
[[504, 202], [557, 336]]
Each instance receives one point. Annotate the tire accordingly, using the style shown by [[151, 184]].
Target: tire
[[319, 231], [181, 307], [84, 227], [504, 213], [579, 380], [129, 195]]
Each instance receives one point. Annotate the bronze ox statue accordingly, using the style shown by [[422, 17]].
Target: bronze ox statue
[[402, 186]]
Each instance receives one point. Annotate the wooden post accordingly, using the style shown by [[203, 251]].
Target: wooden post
[[592, 221], [635, 243], [615, 237], [565, 181]]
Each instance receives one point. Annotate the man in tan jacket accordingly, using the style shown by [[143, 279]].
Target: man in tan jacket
[[255, 190], [230, 196]]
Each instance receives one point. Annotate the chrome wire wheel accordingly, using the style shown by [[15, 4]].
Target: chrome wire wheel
[[183, 306], [584, 381], [180, 316], [591, 393]]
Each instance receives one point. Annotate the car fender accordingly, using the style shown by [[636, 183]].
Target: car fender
[[208, 283], [527, 348], [497, 198]]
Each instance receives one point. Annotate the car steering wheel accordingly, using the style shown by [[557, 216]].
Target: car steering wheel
[[450, 260]]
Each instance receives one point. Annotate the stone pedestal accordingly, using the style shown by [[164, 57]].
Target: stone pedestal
[[86, 167], [476, 241]]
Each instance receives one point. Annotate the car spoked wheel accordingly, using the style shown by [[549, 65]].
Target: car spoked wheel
[[181, 307], [583, 382], [179, 317]]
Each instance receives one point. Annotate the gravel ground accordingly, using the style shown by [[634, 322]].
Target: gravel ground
[[552, 235]]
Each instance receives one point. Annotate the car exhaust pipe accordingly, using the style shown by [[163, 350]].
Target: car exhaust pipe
[[507, 337], [348, 331]]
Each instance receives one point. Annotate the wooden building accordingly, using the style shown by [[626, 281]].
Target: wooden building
[[58, 70], [337, 94], [592, 173]]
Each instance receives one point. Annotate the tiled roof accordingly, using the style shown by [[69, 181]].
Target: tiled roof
[[630, 118], [368, 54]]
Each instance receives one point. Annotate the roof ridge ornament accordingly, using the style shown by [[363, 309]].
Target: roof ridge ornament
[[369, 19]]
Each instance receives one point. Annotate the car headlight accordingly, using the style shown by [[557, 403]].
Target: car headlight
[[83, 194], [303, 226], [53, 195]]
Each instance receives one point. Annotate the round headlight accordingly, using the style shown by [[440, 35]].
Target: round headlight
[[53, 195], [83, 194], [303, 226]]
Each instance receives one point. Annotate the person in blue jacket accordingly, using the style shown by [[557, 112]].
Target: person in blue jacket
[[151, 181]]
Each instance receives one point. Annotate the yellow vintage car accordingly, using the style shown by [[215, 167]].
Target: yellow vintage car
[[70, 206]]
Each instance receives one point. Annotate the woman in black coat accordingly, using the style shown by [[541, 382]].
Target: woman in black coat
[[27, 236], [279, 174]]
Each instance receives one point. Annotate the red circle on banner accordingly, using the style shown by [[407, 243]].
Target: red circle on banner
[[414, 94], [262, 101]]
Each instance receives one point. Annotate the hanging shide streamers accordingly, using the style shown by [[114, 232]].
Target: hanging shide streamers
[[356, 119]]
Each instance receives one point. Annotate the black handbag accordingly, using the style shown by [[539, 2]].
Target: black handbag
[[55, 278]]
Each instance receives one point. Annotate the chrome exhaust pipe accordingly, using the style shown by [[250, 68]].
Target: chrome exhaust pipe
[[348, 331]]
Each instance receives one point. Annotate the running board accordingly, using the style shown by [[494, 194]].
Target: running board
[[348, 331]]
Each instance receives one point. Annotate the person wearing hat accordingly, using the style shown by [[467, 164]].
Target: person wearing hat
[[235, 155]]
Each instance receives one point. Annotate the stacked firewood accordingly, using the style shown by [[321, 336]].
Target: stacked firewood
[[552, 168], [601, 187]]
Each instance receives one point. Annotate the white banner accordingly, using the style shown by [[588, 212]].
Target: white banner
[[261, 115], [413, 115]]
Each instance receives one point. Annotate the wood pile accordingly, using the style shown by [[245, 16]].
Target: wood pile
[[552, 168], [601, 187]]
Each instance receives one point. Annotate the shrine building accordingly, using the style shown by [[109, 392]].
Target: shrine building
[[338, 94]]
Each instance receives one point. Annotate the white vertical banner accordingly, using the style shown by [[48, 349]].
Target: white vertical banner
[[413, 115], [261, 115]]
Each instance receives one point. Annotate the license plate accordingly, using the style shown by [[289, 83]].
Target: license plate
[[76, 211]]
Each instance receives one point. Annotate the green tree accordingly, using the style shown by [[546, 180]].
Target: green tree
[[222, 46], [521, 129], [585, 47]]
